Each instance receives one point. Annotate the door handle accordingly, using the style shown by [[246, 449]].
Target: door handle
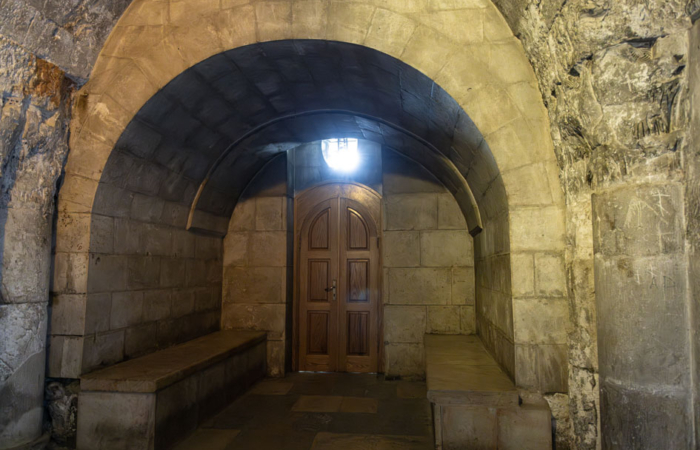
[[332, 288]]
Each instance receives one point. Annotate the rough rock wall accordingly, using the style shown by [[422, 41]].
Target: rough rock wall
[[692, 207], [68, 33], [45, 46], [34, 114], [612, 76]]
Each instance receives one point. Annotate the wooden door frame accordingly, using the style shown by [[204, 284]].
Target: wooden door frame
[[298, 225]]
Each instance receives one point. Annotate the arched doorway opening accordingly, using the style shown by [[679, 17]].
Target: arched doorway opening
[[393, 104], [149, 131]]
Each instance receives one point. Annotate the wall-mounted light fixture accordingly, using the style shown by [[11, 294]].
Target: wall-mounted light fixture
[[341, 154]]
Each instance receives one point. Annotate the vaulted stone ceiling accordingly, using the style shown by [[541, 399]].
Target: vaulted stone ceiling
[[223, 119]]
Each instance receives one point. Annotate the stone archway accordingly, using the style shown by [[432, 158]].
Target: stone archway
[[464, 48]]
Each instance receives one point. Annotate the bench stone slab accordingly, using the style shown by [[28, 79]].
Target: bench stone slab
[[153, 402], [157, 370], [475, 405]]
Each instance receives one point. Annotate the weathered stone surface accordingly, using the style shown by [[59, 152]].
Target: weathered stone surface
[[401, 249], [127, 309], [404, 323], [275, 358], [625, 404], [68, 313], [132, 414], [140, 340], [172, 272], [443, 320], [270, 213], [523, 274], [156, 305], [638, 292], [264, 317], [107, 273], [236, 249], [21, 413], [550, 279], [540, 321], [420, 286], [268, 249], [255, 285], [26, 323], [450, 216], [23, 357], [446, 248], [207, 247], [143, 272], [411, 212], [26, 244], [102, 350], [469, 427], [541, 367], [96, 316], [182, 303], [403, 176], [66, 356], [528, 427], [62, 406], [405, 360], [463, 286], [467, 321], [243, 218]]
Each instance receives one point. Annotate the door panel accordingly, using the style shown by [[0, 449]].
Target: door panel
[[319, 279], [358, 280], [358, 301], [318, 333], [357, 231], [318, 321], [358, 333], [320, 231], [338, 279]]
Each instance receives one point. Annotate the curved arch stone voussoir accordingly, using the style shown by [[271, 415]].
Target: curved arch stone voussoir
[[475, 59]]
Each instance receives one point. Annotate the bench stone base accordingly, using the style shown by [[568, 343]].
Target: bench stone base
[[158, 420], [475, 404], [468, 427]]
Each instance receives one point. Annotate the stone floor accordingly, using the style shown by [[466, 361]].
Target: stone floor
[[322, 412]]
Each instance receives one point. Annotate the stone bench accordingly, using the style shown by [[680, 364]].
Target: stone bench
[[153, 402], [475, 404]]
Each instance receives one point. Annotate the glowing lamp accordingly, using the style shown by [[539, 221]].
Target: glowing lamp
[[341, 154]]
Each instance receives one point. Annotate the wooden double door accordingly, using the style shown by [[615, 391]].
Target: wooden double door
[[337, 279]]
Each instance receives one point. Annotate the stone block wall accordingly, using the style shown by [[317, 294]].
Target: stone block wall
[[494, 304], [521, 291], [428, 258], [145, 283], [540, 313], [257, 270]]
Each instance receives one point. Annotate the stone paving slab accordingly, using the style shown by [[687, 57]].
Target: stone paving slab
[[209, 439], [334, 441], [318, 403], [267, 417], [271, 387]]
